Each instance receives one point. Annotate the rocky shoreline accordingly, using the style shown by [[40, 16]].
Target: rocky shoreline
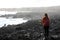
[[31, 30]]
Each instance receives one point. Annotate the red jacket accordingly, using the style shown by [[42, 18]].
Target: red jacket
[[45, 21]]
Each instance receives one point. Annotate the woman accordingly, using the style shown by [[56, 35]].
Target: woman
[[45, 23]]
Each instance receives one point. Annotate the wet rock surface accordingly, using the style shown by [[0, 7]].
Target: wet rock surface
[[31, 30]]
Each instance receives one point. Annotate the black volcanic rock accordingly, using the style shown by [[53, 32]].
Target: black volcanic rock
[[31, 30]]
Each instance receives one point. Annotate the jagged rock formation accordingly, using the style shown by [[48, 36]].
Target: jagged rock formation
[[31, 30]]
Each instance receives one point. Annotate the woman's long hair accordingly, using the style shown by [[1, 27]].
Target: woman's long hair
[[46, 15]]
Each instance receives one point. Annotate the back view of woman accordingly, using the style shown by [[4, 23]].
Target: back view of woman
[[45, 23]]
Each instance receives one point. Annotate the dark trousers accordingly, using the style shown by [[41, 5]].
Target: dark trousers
[[46, 32]]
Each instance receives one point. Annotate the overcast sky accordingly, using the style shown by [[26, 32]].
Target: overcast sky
[[26, 3]]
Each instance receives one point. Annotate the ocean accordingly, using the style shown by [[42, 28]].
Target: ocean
[[11, 21]]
